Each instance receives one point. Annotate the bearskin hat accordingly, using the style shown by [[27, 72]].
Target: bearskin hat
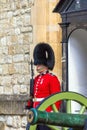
[[44, 54]]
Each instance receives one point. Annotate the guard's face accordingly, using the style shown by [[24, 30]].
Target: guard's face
[[41, 68]]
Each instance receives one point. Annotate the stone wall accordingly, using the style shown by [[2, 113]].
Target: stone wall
[[15, 40]]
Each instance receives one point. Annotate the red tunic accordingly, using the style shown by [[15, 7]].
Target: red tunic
[[44, 85]]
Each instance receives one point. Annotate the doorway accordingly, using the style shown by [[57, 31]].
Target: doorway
[[77, 64]]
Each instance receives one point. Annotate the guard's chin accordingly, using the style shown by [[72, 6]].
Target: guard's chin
[[40, 69]]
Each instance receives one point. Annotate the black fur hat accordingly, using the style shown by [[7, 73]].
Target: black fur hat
[[44, 54]]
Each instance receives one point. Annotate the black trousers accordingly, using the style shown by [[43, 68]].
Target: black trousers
[[42, 127], [39, 127]]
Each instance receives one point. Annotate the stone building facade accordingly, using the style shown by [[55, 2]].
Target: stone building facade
[[23, 23]]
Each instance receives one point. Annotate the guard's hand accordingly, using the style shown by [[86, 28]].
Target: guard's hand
[[29, 104]]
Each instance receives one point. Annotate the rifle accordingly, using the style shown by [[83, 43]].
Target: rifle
[[30, 101], [31, 79]]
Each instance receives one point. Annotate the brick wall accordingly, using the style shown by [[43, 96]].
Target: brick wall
[[15, 40]]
